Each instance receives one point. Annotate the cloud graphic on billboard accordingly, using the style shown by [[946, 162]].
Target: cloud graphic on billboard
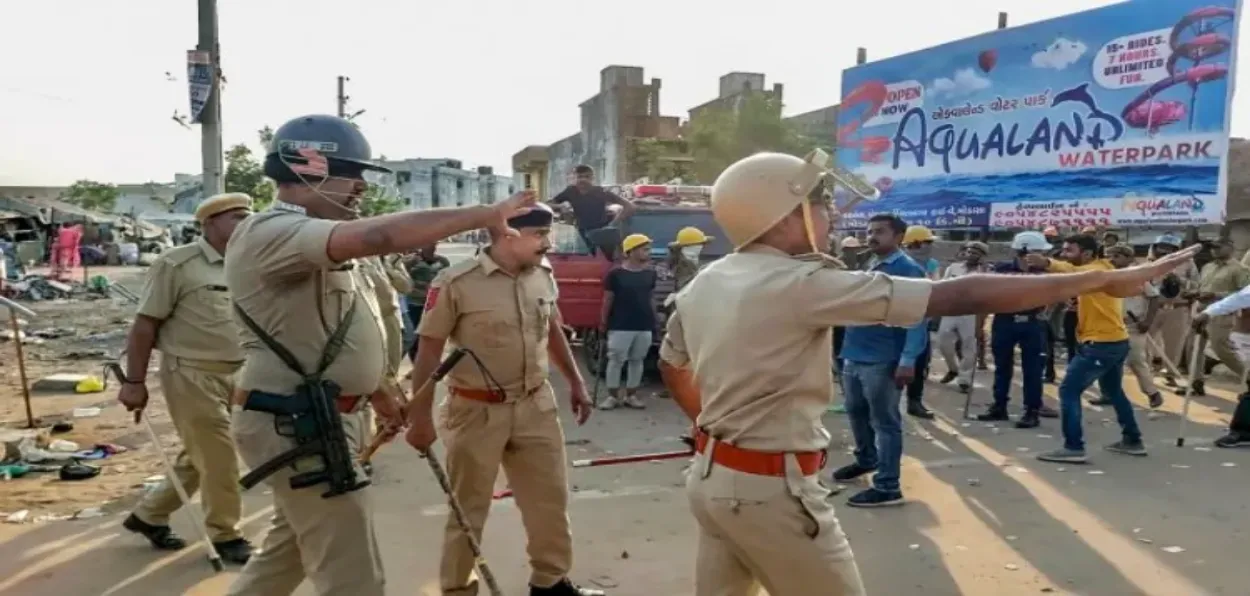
[[1061, 54], [965, 82]]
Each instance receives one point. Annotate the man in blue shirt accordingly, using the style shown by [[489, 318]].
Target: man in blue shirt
[[878, 361], [1027, 330]]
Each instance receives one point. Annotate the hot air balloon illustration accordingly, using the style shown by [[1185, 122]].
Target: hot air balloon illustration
[[987, 59]]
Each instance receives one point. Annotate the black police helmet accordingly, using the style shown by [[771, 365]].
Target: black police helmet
[[345, 148]]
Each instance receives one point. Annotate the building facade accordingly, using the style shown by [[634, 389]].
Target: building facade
[[625, 108], [443, 182]]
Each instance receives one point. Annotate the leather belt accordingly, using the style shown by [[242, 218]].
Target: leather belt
[[487, 395], [760, 463]]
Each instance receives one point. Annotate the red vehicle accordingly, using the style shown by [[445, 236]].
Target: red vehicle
[[579, 270]]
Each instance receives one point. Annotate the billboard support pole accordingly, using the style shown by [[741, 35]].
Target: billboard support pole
[[1002, 20], [861, 56]]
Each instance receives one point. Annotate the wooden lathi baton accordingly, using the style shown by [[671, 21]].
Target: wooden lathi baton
[[443, 369], [629, 459]]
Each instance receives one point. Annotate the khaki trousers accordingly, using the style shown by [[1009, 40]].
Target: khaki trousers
[[331, 542], [197, 393], [760, 531], [1171, 330], [1139, 362], [1218, 331], [963, 330], [526, 439]]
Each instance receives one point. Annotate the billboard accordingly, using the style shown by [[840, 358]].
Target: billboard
[[1117, 116]]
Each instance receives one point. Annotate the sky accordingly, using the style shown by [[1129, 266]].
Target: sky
[[88, 88]]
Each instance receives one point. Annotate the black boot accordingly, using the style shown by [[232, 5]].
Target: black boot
[[994, 414], [565, 587], [916, 408], [1028, 420], [236, 551], [1239, 429], [161, 537]]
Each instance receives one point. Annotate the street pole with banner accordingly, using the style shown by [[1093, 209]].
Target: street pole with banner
[[204, 82]]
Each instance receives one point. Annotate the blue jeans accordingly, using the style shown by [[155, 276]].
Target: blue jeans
[[872, 405], [1006, 333], [1102, 362]]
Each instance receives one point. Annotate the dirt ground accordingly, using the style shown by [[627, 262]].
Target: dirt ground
[[76, 336]]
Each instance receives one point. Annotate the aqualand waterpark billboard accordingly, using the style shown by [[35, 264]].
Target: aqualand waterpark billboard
[[1117, 117]]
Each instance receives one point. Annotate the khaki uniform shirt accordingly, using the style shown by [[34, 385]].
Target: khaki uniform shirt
[[281, 276], [186, 290], [502, 319], [379, 279], [755, 327], [1223, 279]]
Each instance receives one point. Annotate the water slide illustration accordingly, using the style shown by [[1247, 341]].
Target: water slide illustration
[[1194, 40]]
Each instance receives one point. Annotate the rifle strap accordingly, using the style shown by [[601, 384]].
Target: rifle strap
[[334, 345]]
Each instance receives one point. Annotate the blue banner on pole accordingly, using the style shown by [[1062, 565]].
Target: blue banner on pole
[[199, 81], [1117, 116]]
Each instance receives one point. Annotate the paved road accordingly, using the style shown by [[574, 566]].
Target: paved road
[[984, 517]]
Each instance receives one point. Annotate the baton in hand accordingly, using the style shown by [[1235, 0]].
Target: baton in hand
[[443, 370], [462, 520], [214, 558]]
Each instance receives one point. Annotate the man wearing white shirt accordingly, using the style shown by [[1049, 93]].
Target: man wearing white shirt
[[964, 330], [1239, 304]]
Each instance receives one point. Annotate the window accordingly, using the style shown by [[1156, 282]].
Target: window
[[662, 226], [565, 240]]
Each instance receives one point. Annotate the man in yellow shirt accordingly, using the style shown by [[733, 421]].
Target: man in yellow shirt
[[1103, 349]]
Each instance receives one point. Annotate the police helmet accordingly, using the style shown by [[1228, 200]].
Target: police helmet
[[1031, 242], [757, 192], [345, 150], [1169, 240]]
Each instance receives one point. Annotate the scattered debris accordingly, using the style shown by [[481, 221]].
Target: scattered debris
[[604, 581], [914, 546], [1011, 567], [1228, 464], [1011, 538], [89, 513], [1061, 469], [1202, 448], [1096, 472], [17, 517], [86, 412], [974, 482], [1180, 466], [1145, 541], [624, 554], [1173, 549]]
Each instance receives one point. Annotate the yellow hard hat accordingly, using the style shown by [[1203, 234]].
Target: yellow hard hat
[[916, 234], [757, 192], [692, 236], [633, 241]]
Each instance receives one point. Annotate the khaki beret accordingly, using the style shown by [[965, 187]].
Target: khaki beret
[[218, 204], [1123, 249], [979, 246]]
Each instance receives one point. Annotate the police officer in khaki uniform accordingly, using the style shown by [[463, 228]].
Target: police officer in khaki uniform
[[1222, 277], [185, 313], [501, 410], [294, 276], [1172, 321], [764, 517], [387, 282]]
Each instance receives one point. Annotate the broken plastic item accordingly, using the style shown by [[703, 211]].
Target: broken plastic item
[[17, 517], [86, 412], [63, 446], [89, 385], [11, 471], [78, 471]]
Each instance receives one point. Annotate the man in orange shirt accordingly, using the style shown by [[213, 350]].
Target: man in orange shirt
[[1103, 348]]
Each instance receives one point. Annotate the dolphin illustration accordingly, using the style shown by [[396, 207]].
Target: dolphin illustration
[[1079, 94]]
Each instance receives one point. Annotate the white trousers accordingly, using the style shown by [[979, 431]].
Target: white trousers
[[963, 330]]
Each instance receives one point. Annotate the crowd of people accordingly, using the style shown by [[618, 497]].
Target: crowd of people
[[1103, 335]]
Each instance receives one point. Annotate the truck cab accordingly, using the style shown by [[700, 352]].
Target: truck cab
[[661, 211]]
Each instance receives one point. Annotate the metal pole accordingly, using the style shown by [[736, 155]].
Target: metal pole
[[210, 119], [342, 98], [861, 56], [1002, 20]]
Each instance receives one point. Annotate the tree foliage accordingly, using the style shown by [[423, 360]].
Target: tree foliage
[[660, 160], [720, 136], [378, 201], [96, 196], [244, 174]]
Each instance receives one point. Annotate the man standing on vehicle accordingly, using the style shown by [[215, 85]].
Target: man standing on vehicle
[[311, 332], [501, 409], [590, 204], [879, 362], [185, 313], [629, 318], [423, 267], [747, 355], [1100, 357], [965, 330]]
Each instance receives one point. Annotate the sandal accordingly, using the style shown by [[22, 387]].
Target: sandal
[[161, 537]]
